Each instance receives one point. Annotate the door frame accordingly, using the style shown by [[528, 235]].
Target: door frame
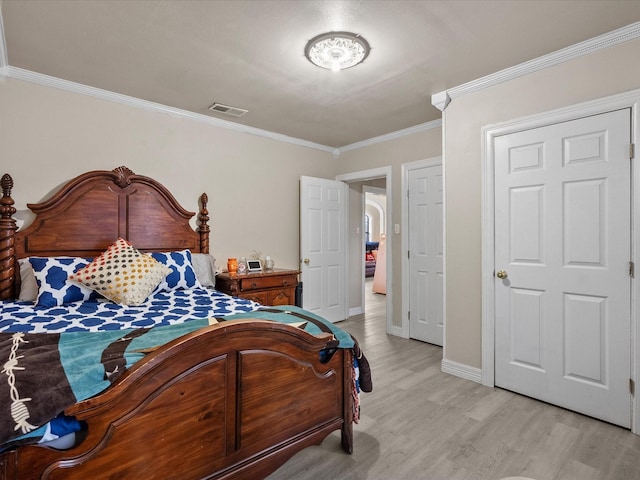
[[489, 133], [361, 176], [406, 276]]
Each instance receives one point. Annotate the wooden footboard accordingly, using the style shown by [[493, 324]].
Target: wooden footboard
[[234, 400]]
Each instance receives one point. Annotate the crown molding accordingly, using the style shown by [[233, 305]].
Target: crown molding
[[45, 80], [393, 135], [440, 100], [48, 81], [58, 83], [610, 39]]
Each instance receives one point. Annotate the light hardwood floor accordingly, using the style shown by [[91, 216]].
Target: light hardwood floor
[[420, 423]]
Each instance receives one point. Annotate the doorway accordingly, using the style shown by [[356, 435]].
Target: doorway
[[374, 236], [380, 178]]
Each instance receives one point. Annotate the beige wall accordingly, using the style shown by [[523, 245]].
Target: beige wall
[[394, 153], [48, 136], [593, 76]]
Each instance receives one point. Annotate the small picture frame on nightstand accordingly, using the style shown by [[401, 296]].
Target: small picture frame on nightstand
[[254, 266]]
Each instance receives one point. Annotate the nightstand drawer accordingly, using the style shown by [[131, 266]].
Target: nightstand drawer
[[247, 284], [260, 297], [274, 287]]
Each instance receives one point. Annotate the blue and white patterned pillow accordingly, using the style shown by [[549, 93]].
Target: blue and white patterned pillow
[[54, 288], [182, 274]]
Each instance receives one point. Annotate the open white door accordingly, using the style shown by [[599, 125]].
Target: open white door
[[322, 247]]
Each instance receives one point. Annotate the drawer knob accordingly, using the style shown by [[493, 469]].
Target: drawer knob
[[284, 283], [254, 285]]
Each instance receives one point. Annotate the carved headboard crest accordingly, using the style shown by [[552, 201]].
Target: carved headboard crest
[[89, 213], [123, 174]]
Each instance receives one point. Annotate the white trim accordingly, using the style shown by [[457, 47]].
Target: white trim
[[406, 274], [440, 100], [423, 127], [355, 311], [47, 81], [461, 370], [4, 59], [624, 100], [610, 39], [365, 175], [635, 249], [361, 176], [444, 235], [53, 82]]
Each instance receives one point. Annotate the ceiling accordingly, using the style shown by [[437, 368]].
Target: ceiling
[[250, 54]]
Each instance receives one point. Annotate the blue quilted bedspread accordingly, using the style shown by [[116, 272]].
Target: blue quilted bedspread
[[47, 373], [163, 308]]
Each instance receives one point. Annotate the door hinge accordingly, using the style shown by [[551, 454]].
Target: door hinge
[[409, 315], [632, 150], [632, 270], [632, 387], [408, 253]]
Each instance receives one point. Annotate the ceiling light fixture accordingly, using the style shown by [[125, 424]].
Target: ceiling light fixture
[[337, 50]]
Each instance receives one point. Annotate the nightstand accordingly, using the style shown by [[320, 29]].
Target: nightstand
[[269, 288]]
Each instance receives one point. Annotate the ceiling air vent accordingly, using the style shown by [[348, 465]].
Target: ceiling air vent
[[227, 110]]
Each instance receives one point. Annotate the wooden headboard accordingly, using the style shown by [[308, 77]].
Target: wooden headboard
[[89, 213]]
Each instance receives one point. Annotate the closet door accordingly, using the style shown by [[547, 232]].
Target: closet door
[[562, 252], [426, 296]]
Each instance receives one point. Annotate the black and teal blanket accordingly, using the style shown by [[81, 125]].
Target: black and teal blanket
[[46, 373]]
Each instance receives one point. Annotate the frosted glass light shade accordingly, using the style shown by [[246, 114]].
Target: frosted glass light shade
[[337, 50]]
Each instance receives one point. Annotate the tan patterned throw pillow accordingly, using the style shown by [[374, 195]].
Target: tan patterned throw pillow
[[122, 274]]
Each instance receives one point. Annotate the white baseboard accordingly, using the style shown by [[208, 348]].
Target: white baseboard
[[355, 311], [463, 371]]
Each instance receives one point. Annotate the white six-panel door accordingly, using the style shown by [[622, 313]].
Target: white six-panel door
[[562, 246], [322, 247], [426, 295]]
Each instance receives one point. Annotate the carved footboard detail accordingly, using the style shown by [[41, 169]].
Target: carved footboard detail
[[235, 400]]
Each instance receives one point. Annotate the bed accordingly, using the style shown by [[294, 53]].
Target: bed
[[233, 397], [370, 257]]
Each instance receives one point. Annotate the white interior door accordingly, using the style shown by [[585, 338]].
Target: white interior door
[[562, 246], [426, 296], [322, 247]]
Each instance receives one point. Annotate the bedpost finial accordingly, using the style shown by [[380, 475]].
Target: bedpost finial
[[7, 185], [123, 173], [6, 202]]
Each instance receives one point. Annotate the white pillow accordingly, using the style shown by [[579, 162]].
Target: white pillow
[[28, 284], [204, 264]]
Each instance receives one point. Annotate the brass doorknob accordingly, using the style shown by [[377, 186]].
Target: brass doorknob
[[306, 261], [501, 274]]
